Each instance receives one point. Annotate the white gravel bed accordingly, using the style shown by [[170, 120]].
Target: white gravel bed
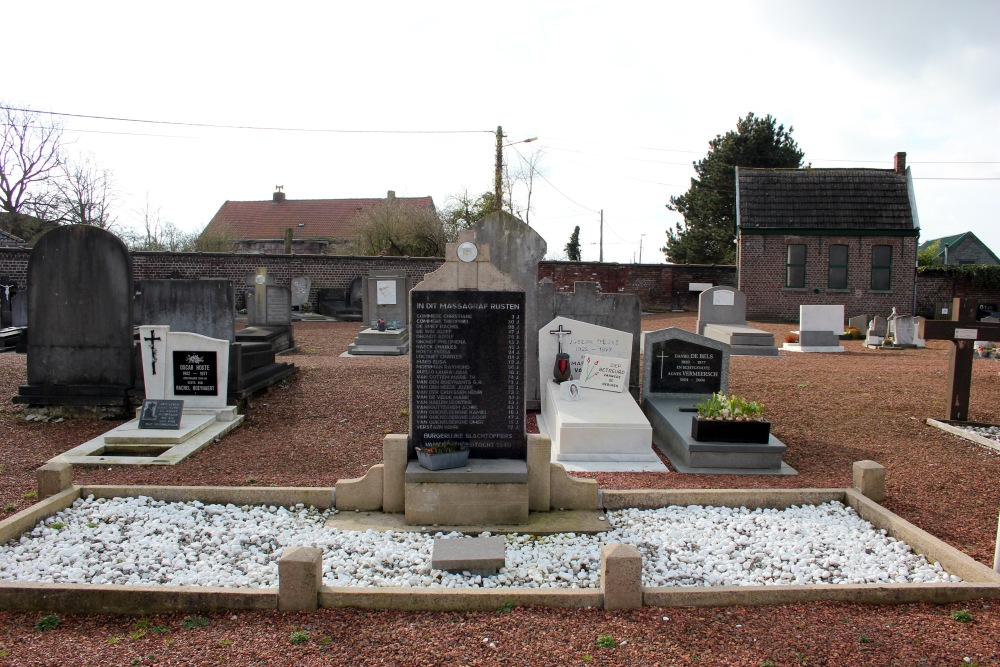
[[133, 541], [989, 432]]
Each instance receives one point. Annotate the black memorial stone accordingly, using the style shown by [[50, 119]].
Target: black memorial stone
[[195, 373], [467, 371], [683, 367], [161, 414]]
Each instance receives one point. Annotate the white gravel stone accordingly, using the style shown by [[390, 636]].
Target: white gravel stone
[[131, 541]]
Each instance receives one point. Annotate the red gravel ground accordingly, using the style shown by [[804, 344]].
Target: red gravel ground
[[327, 422]]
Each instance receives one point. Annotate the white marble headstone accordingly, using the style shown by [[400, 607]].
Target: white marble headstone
[[822, 318], [585, 339], [184, 366]]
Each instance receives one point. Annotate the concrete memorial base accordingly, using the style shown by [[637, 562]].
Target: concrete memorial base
[[383, 343], [129, 445], [601, 426], [672, 434], [743, 339], [493, 491]]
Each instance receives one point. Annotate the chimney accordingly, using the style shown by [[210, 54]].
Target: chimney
[[278, 195], [391, 195], [899, 164]]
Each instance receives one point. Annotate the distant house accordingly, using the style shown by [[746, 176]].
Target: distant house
[[963, 248], [316, 226], [828, 237]]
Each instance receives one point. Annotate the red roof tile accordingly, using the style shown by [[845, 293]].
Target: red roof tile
[[319, 218]]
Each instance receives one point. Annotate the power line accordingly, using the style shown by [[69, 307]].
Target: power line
[[242, 127]]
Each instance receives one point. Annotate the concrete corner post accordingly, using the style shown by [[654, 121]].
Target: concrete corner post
[[621, 576], [300, 575], [869, 478], [53, 478]]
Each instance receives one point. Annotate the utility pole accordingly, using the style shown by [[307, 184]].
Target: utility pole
[[640, 247], [497, 179], [601, 246]]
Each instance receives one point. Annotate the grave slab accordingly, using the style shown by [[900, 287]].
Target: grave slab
[[602, 426], [681, 370], [722, 316], [477, 555]]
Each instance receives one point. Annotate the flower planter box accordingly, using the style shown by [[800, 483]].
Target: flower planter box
[[444, 460], [719, 430]]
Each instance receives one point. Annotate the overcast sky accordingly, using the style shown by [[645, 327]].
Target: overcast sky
[[622, 96]]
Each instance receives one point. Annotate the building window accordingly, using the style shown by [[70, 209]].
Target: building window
[[837, 273], [882, 267], [795, 266]]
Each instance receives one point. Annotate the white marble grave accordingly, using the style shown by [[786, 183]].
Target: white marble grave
[[601, 428], [176, 366], [819, 329]]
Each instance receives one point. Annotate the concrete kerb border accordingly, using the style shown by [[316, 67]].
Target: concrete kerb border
[[980, 582]]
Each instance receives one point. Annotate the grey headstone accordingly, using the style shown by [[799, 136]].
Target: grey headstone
[[516, 249], [881, 326], [679, 363], [859, 322], [386, 296], [904, 330], [614, 311], [19, 309], [721, 305], [80, 309], [198, 306], [301, 285]]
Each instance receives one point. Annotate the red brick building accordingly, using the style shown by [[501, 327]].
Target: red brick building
[[316, 226], [826, 237]]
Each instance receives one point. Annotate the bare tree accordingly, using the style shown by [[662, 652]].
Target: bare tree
[[522, 177], [152, 232], [85, 194], [29, 157], [398, 228]]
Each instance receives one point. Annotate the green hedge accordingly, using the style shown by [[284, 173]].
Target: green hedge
[[982, 276]]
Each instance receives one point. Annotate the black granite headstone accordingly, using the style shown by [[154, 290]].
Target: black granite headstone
[[467, 371], [683, 367]]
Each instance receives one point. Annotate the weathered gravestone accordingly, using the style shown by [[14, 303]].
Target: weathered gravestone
[[859, 322], [602, 422], [301, 287], [467, 385], [269, 313], [201, 306], [585, 304], [722, 316], [516, 249], [680, 370], [80, 352], [963, 333], [386, 315]]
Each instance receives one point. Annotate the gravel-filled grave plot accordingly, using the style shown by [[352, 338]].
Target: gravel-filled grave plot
[[141, 541]]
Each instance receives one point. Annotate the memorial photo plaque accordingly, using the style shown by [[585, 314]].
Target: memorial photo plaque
[[467, 371], [195, 373], [161, 414], [683, 367]]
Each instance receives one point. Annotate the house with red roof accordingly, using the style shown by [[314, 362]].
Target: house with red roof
[[313, 226]]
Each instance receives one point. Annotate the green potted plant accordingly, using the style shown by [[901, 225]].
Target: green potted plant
[[732, 418], [443, 455]]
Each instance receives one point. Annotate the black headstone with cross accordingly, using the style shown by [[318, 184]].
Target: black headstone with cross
[[963, 332]]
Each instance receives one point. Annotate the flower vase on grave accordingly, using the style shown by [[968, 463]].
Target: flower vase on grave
[[381, 325]]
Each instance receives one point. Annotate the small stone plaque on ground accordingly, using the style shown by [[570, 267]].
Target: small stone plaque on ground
[[161, 414]]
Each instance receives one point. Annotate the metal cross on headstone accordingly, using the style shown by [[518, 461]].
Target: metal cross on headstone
[[152, 338], [963, 333], [560, 332]]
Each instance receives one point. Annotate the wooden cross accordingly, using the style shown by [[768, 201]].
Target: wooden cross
[[963, 333]]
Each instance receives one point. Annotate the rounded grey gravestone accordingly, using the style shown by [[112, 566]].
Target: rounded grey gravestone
[[80, 309]]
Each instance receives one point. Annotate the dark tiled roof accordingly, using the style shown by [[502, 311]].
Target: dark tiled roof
[[6, 238], [845, 199], [946, 241], [323, 218]]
